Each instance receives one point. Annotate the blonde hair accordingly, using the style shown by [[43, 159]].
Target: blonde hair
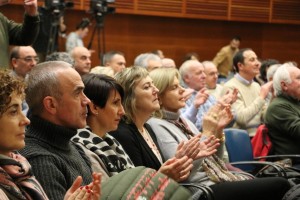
[[163, 78], [103, 70], [128, 79]]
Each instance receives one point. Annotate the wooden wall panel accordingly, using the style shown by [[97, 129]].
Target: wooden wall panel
[[284, 10], [134, 34]]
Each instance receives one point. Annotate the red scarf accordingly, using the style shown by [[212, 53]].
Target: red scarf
[[16, 179]]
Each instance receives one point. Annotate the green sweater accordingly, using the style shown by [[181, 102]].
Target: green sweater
[[12, 33], [283, 121]]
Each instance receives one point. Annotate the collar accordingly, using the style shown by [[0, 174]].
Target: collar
[[168, 115], [52, 134], [241, 79]]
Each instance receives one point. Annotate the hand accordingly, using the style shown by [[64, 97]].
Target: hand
[[265, 89], [177, 169], [31, 7], [229, 97], [201, 97], [225, 117], [208, 147], [91, 191], [189, 148], [187, 93]]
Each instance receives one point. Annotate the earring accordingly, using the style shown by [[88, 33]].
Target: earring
[[96, 113]]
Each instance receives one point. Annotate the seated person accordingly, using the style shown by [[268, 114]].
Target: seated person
[[139, 140], [16, 177], [283, 114]]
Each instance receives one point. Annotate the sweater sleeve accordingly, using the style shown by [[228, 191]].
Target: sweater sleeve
[[23, 34], [50, 177]]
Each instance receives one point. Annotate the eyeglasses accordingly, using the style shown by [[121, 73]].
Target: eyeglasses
[[30, 59]]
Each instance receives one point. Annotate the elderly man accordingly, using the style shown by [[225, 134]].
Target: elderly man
[[18, 34], [283, 114], [23, 59], [251, 97], [211, 72], [149, 61], [58, 108], [115, 60], [82, 60]]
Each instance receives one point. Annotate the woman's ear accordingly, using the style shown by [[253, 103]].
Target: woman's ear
[[93, 108]]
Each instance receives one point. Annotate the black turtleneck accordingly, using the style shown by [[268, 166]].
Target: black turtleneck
[[55, 160]]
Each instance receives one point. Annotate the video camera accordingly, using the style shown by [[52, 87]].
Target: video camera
[[100, 7], [58, 6]]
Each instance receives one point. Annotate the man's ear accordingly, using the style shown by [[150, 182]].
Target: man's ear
[[239, 65], [283, 86], [13, 62], [50, 104]]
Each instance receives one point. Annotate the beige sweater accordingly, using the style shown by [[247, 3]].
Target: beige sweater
[[249, 105]]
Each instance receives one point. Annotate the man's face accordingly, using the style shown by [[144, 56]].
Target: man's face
[[71, 110], [234, 44], [25, 62], [293, 89], [154, 64], [117, 63], [195, 77], [250, 68], [211, 75], [82, 58]]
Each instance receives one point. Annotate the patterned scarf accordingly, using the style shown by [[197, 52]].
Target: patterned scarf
[[107, 148], [16, 179]]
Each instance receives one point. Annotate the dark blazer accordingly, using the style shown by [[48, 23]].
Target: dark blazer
[[135, 146]]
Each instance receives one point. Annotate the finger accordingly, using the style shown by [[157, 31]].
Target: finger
[[76, 184]]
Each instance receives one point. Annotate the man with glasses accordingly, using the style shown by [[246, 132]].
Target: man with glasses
[[23, 59]]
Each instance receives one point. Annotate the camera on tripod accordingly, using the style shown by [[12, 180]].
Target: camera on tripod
[[57, 7], [101, 7]]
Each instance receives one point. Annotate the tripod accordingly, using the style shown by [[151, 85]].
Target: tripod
[[51, 47], [99, 27]]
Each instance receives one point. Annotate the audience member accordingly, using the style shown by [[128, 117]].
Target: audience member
[[115, 60], [193, 76], [261, 78], [191, 56], [103, 70], [104, 113], [271, 71], [57, 103], [211, 73], [23, 59], [283, 114], [223, 59], [18, 34], [168, 63], [16, 179], [251, 97], [173, 129], [149, 61], [158, 52], [60, 56], [82, 60], [136, 137], [74, 39]]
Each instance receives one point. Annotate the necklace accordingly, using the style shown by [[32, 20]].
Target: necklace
[[151, 143]]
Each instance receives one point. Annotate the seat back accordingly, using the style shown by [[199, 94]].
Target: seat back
[[238, 145]]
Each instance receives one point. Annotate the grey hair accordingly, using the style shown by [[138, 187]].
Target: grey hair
[[60, 56], [271, 71], [43, 81], [282, 75], [185, 67], [142, 59]]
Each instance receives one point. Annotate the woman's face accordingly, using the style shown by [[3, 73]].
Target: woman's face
[[13, 123], [172, 98], [110, 116], [146, 96]]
